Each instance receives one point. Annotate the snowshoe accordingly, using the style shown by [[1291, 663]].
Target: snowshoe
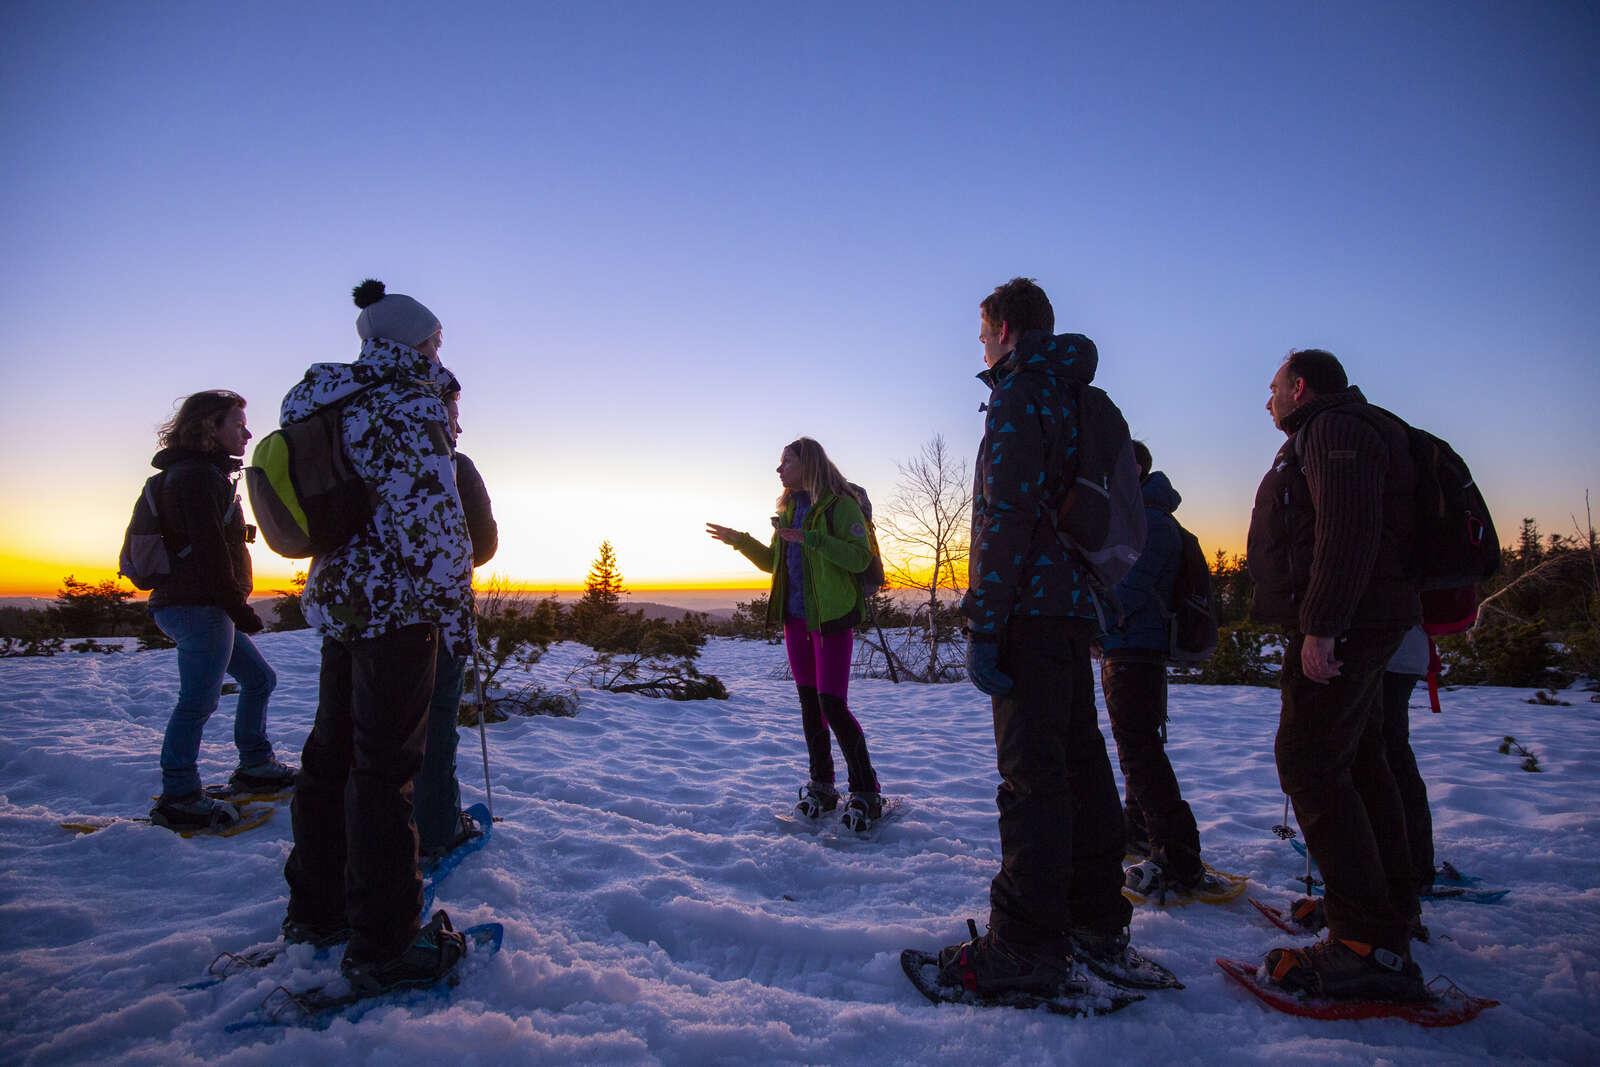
[[431, 956], [467, 829], [863, 810], [196, 811], [270, 776], [1337, 969], [990, 972], [816, 800], [1148, 883], [988, 964], [1110, 956], [1309, 914], [1445, 1003]]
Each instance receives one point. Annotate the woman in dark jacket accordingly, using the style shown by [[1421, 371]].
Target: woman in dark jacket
[[203, 605]]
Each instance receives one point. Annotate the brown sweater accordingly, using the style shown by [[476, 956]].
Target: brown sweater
[[1334, 519]]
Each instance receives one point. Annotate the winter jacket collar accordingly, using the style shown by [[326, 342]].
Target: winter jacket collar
[[380, 360], [175, 454], [1069, 355], [1296, 419], [1158, 493]]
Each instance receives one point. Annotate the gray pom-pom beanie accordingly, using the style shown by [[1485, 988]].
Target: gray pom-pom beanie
[[393, 316]]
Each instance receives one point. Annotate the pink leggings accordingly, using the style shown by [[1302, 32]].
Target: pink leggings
[[819, 661], [821, 667]]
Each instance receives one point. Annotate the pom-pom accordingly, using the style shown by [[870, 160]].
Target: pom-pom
[[368, 292]]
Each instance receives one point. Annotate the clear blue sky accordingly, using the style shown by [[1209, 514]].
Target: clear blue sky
[[665, 240]]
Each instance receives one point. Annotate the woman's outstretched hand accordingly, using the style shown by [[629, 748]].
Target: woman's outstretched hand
[[727, 535]]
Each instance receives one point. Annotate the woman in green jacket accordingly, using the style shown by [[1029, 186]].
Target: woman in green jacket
[[820, 543]]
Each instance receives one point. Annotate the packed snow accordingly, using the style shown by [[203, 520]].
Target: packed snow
[[660, 906]]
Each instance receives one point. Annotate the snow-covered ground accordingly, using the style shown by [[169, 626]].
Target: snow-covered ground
[[657, 909]]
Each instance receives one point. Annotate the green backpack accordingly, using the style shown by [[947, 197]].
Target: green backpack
[[307, 497]]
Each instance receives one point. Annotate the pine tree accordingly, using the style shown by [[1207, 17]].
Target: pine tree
[[603, 591], [1529, 551]]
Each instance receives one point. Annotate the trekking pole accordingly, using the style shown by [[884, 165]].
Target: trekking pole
[[1283, 831], [1308, 871], [483, 734]]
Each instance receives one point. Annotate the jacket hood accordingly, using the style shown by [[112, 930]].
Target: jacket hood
[[380, 360], [1158, 492], [175, 454], [1302, 414], [1070, 355]]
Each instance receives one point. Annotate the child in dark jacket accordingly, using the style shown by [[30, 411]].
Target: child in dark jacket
[[1133, 677]]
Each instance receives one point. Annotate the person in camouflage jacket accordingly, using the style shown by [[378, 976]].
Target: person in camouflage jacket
[[413, 562], [383, 603]]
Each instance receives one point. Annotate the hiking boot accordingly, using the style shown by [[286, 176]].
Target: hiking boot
[[862, 811], [1108, 954], [1346, 969], [989, 965], [318, 935], [1152, 880], [268, 775], [816, 799], [1308, 913], [194, 811], [467, 828], [432, 955]]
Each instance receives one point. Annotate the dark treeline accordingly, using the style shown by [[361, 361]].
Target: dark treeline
[[1540, 623]]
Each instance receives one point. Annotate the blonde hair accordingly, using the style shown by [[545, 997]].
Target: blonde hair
[[819, 476]]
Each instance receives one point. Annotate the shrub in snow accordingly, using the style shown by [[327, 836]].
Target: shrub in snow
[[653, 657], [1245, 655]]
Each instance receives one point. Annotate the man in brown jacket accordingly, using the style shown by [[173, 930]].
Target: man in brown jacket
[[1330, 544]]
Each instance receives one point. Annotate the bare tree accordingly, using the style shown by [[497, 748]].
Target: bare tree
[[929, 525]]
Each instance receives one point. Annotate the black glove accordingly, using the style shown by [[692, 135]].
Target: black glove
[[245, 618], [983, 666]]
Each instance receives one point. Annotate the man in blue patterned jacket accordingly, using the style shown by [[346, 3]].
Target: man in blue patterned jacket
[[1030, 620]]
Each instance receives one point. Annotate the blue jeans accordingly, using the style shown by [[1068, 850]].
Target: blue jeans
[[437, 799], [209, 646]]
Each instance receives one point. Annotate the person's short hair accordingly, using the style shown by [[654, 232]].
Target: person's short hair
[[1021, 303], [195, 425], [1321, 370], [1141, 456]]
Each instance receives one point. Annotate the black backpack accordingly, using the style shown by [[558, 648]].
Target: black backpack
[[144, 559], [872, 579], [1101, 519], [1455, 546], [306, 494], [1194, 615]]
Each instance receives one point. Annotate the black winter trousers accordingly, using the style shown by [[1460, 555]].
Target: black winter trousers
[[1135, 689], [1061, 835], [1403, 763], [1331, 763], [355, 841]]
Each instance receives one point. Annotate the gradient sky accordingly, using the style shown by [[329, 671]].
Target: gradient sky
[[666, 239]]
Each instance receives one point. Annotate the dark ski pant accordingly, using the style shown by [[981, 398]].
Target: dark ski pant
[[1403, 763], [1135, 688], [1061, 834], [1331, 763], [438, 797], [820, 664], [355, 844]]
